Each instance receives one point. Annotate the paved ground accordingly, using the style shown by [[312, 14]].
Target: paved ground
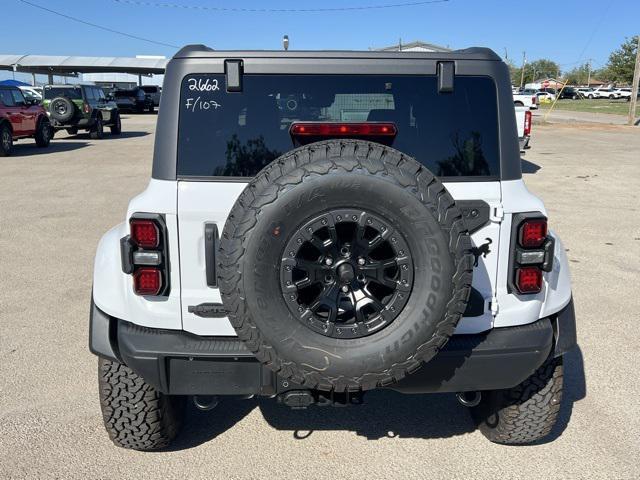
[[53, 208]]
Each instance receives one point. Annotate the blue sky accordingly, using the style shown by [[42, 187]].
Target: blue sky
[[581, 30]]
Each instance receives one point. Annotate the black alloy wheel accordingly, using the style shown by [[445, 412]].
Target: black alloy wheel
[[346, 273]]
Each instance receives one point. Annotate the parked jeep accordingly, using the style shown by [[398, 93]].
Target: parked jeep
[[81, 107], [322, 224], [21, 118]]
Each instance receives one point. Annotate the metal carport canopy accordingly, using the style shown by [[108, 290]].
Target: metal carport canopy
[[62, 65]]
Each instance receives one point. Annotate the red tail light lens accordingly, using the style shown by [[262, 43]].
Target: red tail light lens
[[527, 122], [147, 281], [144, 233], [533, 233], [335, 129], [86, 108], [529, 279]]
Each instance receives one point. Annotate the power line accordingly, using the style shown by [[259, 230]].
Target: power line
[[94, 25], [147, 3]]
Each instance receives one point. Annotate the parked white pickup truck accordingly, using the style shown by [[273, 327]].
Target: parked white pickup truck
[[525, 100], [523, 121]]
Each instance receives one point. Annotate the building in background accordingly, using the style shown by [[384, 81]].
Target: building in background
[[417, 46]]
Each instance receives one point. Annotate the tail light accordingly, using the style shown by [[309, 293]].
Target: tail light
[[145, 254], [533, 233], [308, 132], [86, 108], [529, 279], [147, 281], [144, 233], [527, 122], [531, 252]]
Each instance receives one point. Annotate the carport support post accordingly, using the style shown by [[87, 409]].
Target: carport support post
[[139, 80], [634, 88], [33, 79]]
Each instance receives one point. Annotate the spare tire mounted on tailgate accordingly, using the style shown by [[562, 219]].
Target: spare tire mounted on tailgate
[[344, 265]]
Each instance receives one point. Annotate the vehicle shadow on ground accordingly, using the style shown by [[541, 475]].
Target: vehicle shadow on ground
[[529, 167], [383, 414], [200, 427], [107, 136], [29, 149]]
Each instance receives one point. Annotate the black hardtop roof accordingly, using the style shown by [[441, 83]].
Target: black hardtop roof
[[202, 51]]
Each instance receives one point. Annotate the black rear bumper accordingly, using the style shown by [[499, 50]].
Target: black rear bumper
[[179, 363]]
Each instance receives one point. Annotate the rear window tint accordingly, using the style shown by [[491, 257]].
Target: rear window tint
[[237, 134], [69, 92]]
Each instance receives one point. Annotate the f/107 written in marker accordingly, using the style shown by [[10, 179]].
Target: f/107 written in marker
[[200, 104]]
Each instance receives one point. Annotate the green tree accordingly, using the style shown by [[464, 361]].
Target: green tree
[[542, 68], [536, 70], [621, 62], [578, 75]]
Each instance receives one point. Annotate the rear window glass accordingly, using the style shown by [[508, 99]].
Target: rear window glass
[[71, 93], [237, 134]]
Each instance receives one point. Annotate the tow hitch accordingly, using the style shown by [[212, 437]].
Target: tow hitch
[[300, 399]]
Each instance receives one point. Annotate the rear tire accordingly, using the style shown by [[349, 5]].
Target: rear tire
[[6, 141], [525, 413], [135, 414], [97, 132], [43, 133], [116, 128]]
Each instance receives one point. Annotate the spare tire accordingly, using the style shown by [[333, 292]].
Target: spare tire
[[344, 265], [62, 109]]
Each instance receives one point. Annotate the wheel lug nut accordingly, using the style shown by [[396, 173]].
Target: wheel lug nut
[[328, 261], [361, 261], [345, 288]]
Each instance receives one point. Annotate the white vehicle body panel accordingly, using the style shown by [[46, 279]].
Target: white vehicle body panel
[[526, 100], [187, 206], [113, 289]]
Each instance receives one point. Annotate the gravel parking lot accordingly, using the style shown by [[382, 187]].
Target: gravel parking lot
[[54, 206]]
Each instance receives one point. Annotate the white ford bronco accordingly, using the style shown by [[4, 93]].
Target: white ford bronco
[[321, 224]]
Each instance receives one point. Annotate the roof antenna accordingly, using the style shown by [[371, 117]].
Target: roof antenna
[[285, 42]]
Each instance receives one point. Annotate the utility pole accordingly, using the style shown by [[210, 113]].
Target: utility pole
[[589, 74], [634, 88], [524, 62]]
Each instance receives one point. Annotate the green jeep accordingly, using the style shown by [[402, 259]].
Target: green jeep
[[81, 107]]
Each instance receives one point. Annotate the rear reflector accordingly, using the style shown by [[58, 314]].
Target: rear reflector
[[533, 233], [147, 281], [529, 279], [337, 129], [144, 233]]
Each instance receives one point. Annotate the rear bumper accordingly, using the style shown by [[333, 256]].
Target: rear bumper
[[81, 124], [179, 363]]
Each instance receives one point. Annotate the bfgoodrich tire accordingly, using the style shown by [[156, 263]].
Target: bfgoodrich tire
[[347, 200], [136, 415], [525, 413]]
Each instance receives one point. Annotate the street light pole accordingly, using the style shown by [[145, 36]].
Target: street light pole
[[524, 62]]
